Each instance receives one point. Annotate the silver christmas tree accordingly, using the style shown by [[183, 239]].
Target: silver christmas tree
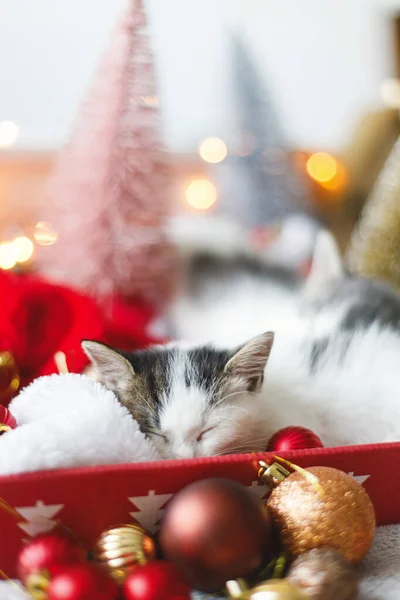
[[258, 183]]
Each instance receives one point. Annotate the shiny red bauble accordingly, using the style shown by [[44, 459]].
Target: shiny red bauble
[[158, 580], [7, 420], [293, 438], [82, 582], [48, 553], [215, 530]]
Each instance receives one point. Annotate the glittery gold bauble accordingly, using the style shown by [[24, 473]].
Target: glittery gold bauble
[[329, 510], [324, 574], [121, 549], [275, 589]]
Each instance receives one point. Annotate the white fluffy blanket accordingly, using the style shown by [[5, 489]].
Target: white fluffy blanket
[[51, 409]]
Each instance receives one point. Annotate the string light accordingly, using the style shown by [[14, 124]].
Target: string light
[[322, 167], [8, 133], [201, 194], [213, 150], [44, 234], [24, 248], [8, 255]]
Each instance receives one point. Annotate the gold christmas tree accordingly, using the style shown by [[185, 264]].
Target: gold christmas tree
[[375, 245]]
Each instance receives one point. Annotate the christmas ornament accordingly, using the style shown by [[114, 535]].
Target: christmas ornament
[[159, 580], [215, 530], [121, 549], [46, 555], [9, 376], [324, 574], [321, 506], [275, 589], [293, 438], [7, 421], [82, 582]]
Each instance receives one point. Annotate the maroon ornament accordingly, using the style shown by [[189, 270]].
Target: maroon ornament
[[215, 530], [293, 438], [7, 420], [158, 580], [47, 554], [82, 582]]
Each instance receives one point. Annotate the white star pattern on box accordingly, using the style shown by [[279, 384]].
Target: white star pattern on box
[[359, 478], [39, 518], [150, 511]]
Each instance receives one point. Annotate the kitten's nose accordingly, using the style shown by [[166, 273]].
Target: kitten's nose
[[184, 452]]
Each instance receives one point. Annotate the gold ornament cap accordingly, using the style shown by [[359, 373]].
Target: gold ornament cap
[[122, 549], [37, 584], [272, 475]]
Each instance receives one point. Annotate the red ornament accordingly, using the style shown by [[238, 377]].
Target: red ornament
[[293, 438], [82, 582], [158, 580], [48, 554], [215, 530], [7, 420]]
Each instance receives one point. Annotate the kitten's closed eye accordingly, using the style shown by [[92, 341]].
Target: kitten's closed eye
[[158, 434], [204, 433]]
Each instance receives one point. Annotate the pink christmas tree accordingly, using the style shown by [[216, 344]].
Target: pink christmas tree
[[110, 186]]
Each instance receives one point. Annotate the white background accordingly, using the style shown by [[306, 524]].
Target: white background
[[324, 60]]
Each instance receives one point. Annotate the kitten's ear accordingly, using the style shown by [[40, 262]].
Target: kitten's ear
[[108, 366], [327, 265], [250, 360]]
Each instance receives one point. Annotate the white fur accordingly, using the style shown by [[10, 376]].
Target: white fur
[[68, 421], [352, 398]]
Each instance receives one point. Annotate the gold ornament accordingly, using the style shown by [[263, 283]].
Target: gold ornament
[[121, 549], [323, 507], [9, 377], [37, 584], [275, 589]]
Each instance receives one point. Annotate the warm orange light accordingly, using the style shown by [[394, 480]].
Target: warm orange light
[[213, 150], [44, 234], [8, 255], [339, 181], [201, 194], [322, 167]]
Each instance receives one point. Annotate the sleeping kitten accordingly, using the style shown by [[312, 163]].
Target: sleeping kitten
[[197, 401], [333, 365]]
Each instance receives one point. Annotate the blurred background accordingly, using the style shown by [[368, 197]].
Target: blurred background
[[299, 98]]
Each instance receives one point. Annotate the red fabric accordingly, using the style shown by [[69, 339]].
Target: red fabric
[[80, 502], [38, 319]]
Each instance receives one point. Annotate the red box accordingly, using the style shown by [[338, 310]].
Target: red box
[[89, 500]]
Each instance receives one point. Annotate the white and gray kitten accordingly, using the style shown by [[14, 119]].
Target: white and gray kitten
[[333, 367], [197, 401]]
